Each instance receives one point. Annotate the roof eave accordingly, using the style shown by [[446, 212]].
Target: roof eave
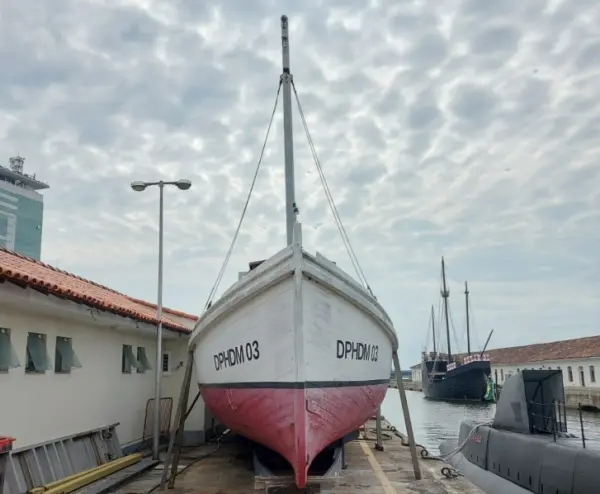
[[89, 302]]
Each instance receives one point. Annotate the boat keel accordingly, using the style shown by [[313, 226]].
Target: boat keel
[[296, 422]]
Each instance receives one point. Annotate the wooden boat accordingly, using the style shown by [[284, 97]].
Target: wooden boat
[[296, 354], [447, 377]]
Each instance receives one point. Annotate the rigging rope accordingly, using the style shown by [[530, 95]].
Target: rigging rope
[[355, 263], [453, 331], [237, 231], [472, 325]]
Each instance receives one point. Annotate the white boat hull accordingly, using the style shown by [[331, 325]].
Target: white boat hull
[[294, 356]]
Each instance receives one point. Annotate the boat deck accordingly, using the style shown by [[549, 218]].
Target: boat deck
[[228, 470]]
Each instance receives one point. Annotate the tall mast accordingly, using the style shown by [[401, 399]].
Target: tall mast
[[467, 309], [286, 81], [433, 328], [446, 294]]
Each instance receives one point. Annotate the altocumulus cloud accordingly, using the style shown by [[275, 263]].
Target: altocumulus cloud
[[464, 128]]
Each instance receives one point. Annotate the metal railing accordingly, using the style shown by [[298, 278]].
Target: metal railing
[[553, 418], [164, 411]]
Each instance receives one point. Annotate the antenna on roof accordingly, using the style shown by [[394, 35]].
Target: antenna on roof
[[16, 164]]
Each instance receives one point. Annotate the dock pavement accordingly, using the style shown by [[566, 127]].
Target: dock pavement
[[226, 468]]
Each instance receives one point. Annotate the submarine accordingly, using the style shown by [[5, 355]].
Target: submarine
[[526, 447]]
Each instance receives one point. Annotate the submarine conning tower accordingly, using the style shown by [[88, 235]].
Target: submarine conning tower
[[532, 402]]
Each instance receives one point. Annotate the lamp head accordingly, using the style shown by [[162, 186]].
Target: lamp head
[[138, 186], [183, 184]]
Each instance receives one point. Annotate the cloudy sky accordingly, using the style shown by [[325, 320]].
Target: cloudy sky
[[464, 128]]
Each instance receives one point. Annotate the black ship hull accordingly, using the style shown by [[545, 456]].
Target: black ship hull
[[467, 382]]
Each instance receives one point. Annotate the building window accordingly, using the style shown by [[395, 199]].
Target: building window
[[3, 226], [502, 375], [144, 363], [64, 356], [8, 356], [496, 375], [581, 377], [570, 373], [38, 361], [166, 363], [128, 360], [592, 374]]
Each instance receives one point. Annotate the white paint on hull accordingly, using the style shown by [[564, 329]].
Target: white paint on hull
[[341, 342], [263, 326], [295, 318]]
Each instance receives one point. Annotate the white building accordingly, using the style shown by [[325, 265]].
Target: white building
[[75, 356], [415, 372], [579, 360]]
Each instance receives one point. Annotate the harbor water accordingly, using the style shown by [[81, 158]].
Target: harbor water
[[436, 421]]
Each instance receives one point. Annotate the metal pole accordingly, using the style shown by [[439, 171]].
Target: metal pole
[[467, 312], [553, 418], [581, 425], [446, 294], [158, 375], [433, 329], [407, 422], [378, 442], [286, 80]]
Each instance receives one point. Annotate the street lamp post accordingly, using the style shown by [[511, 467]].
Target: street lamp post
[[140, 187]]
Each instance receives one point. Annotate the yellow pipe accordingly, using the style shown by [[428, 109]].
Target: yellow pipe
[[110, 467], [100, 473], [51, 485]]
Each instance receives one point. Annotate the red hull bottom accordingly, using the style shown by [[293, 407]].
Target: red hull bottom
[[296, 423]]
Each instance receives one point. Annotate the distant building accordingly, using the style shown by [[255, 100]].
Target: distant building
[[21, 209], [579, 360], [416, 372], [406, 375]]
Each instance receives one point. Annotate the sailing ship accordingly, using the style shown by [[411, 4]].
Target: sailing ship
[[296, 354], [451, 377]]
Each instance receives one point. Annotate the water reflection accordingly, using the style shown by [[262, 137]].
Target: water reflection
[[436, 421]]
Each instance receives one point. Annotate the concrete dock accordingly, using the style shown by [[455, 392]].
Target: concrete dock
[[408, 385], [228, 470]]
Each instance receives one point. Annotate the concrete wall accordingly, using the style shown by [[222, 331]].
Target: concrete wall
[[40, 406], [177, 353], [416, 374]]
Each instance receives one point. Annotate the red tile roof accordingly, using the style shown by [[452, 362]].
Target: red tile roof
[[557, 350], [173, 312], [25, 271]]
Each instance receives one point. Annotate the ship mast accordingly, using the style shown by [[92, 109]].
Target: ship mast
[[446, 293], [467, 309], [286, 81], [433, 329]]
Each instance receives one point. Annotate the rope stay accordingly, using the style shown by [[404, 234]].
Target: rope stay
[[473, 324], [453, 331], [340, 226], [239, 226]]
